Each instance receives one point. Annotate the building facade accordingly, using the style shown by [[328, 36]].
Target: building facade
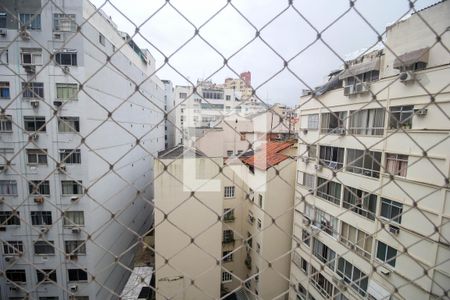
[[372, 202], [75, 149], [169, 109]]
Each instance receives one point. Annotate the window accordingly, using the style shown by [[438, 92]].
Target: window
[[227, 256], [229, 153], [363, 77], [33, 90], [228, 97], [4, 90], [313, 122], [249, 239], [64, 22], [31, 56], [360, 202], [260, 200], [5, 123], [357, 240], [68, 124], [33, 123], [3, 19], [228, 215], [9, 218], [77, 275], [331, 122], [229, 192], [363, 162], [306, 237], [304, 265], [12, 247], [353, 275], [101, 39], [41, 217], [332, 157], [75, 247], [46, 275], [53, 298], [30, 21], [67, 58], [322, 220], [226, 277], [401, 117], [251, 218], [39, 187], [386, 253], [228, 236], [70, 156], [44, 247], [329, 190], [397, 164], [71, 187], [183, 96], [309, 181], [212, 94], [6, 155], [17, 276], [73, 218], [243, 136], [324, 253], [367, 122], [324, 287], [259, 224], [8, 187], [391, 210], [66, 91], [312, 151], [258, 248], [37, 156]]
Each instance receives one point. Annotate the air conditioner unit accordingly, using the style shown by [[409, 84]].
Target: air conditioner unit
[[2, 228], [13, 288], [34, 103], [394, 229], [305, 131], [2, 200], [76, 230], [74, 198], [39, 199], [73, 288], [44, 229], [34, 136], [73, 257], [57, 36], [315, 230], [66, 70], [361, 87], [406, 76], [3, 32], [318, 167], [10, 258], [305, 159], [421, 112], [30, 69], [384, 271], [348, 90], [57, 103], [24, 34], [3, 168], [61, 168], [340, 131]]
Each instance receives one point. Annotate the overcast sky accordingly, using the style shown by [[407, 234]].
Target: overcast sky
[[228, 32]]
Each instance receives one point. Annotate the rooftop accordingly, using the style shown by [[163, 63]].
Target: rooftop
[[179, 151], [269, 155]]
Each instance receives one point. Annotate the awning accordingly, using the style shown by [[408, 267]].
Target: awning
[[361, 68], [409, 58]]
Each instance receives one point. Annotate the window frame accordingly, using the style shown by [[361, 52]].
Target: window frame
[[76, 187], [16, 272], [66, 58], [312, 122], [65, 124], [30, 21], [70, 273], [33, 90], [367, 201], [39, 187], [357, 163], [391, 261], [39, 154], [401, 117], [229, 192], [64, 21], [45, 247], [46, 276], [33, 55], [390, 204], [6, 125], [41, 217], [324, 188], [72, 93], [12, 247], [8, 188], [73, 218], [34, 124], [5, 89], [70, 156], [396, 164]]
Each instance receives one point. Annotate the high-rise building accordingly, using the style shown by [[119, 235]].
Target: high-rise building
[[372, 203], [78, 128], [169, 108]]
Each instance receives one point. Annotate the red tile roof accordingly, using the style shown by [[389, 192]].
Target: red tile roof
[[269, 155]]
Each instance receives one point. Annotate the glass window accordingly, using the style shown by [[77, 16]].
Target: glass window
[[401, 117], [351, 274], [332, 122], [363, 162], [64, 22], [391, 210], [30, 21], [46, 276], [357, 240], [306, 237], [37, 156], [360, 202], [15, 275], [9, 218], [33, 90], [75, 247], [332, 157], [31, 56], [68, 58], [41, 218], [229, 192], [67, 91], [3, 19], [324, 253], [68, 124], [39, 187], [71, 187], [77, 275], [73, 218], [70, 156], [228, 236], [309, 180], [227, 256], [367, 122], [322, 284], [8, 187], [329, 190], [4, 90], [313, 121], [228, 215], [34, 123], [5, 123], [44, 247], [226, 277], [386, 253], [396, 164], [12, 247], [101, 39]]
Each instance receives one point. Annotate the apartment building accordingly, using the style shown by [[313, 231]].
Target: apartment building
[[71, 164], [210, 103], [219, 219], [372, 201], [169, 109]]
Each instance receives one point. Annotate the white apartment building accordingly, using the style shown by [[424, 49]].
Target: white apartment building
[[170, 122], [75, 183], [222, 233], [374, 224], [209, 103]]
